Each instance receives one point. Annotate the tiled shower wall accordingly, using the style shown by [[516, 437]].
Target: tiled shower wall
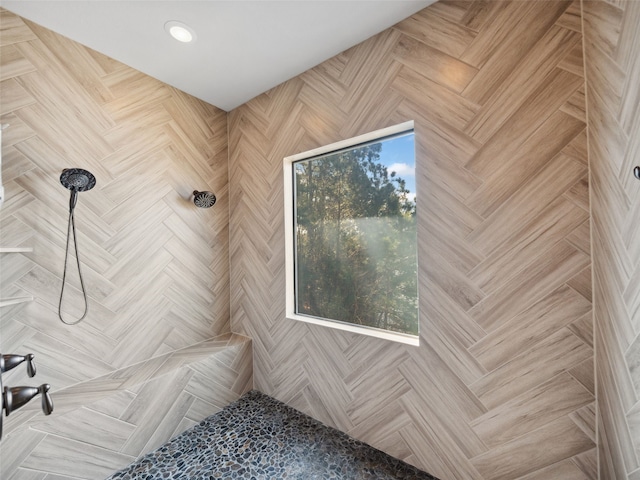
[[155, 267], [505, 363], [502, 384], [612, 50]]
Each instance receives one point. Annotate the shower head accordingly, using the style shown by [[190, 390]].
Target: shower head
[[77, 180], [203, 199]]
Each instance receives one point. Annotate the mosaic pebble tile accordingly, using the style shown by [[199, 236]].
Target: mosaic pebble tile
[[260, 438]]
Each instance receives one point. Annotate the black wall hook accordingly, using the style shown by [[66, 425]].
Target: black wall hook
[[636, 172]]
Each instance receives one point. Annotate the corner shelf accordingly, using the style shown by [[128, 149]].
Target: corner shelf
[[15, 249], [5, 302]]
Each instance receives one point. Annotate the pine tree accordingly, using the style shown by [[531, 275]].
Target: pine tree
[[356, 241]]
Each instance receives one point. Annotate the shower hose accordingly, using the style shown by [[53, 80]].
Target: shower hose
[[71, 228]]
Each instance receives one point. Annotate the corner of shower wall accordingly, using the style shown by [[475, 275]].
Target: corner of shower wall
[[612, 63], [504, 253]]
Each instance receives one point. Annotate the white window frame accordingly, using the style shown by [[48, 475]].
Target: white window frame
[[290, 243]]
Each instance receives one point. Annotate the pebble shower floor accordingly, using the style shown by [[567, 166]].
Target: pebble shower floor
[[260, 438]]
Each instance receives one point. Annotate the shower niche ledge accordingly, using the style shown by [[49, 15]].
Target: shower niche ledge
[[15, 249], [5, 302]]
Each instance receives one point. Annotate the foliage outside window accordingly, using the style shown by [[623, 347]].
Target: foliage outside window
[[354, 236]]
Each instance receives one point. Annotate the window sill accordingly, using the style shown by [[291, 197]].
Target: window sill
[[369, 331]]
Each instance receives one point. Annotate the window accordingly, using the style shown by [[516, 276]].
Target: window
[[350, 220]]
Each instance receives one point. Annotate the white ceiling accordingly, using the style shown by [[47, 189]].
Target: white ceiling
[[243, 47]]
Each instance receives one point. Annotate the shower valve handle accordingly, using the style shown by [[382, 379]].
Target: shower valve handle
[[16, 397], [47, 403], [7, 362]]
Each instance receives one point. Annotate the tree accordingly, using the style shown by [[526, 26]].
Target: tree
[[356, 241]]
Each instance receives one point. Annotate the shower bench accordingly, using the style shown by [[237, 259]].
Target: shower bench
[[101, 425]]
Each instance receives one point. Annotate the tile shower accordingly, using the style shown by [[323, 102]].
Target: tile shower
[[159, 271]]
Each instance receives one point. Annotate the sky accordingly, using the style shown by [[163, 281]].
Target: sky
[[398, 155]]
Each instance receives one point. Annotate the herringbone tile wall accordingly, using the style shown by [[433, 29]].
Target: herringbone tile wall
[[612, 50], [502, 385], [103, 424], [155, 266]]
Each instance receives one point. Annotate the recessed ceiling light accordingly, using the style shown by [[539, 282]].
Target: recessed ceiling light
[[180, 31]]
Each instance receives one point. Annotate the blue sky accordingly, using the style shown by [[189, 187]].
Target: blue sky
[[398, 155]]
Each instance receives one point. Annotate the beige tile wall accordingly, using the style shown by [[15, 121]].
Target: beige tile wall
[[502, 385], [612, 49], [101, 425], [155, 267]]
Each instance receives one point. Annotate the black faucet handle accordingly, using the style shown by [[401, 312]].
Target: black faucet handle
[[7, 362], [16, 397], [47, 403], [31, 366]]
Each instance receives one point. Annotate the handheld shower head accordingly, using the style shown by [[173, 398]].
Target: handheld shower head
[[203, 199], [76, 180]]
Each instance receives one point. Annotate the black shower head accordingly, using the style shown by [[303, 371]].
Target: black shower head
[[203, 199], [77, 179]]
